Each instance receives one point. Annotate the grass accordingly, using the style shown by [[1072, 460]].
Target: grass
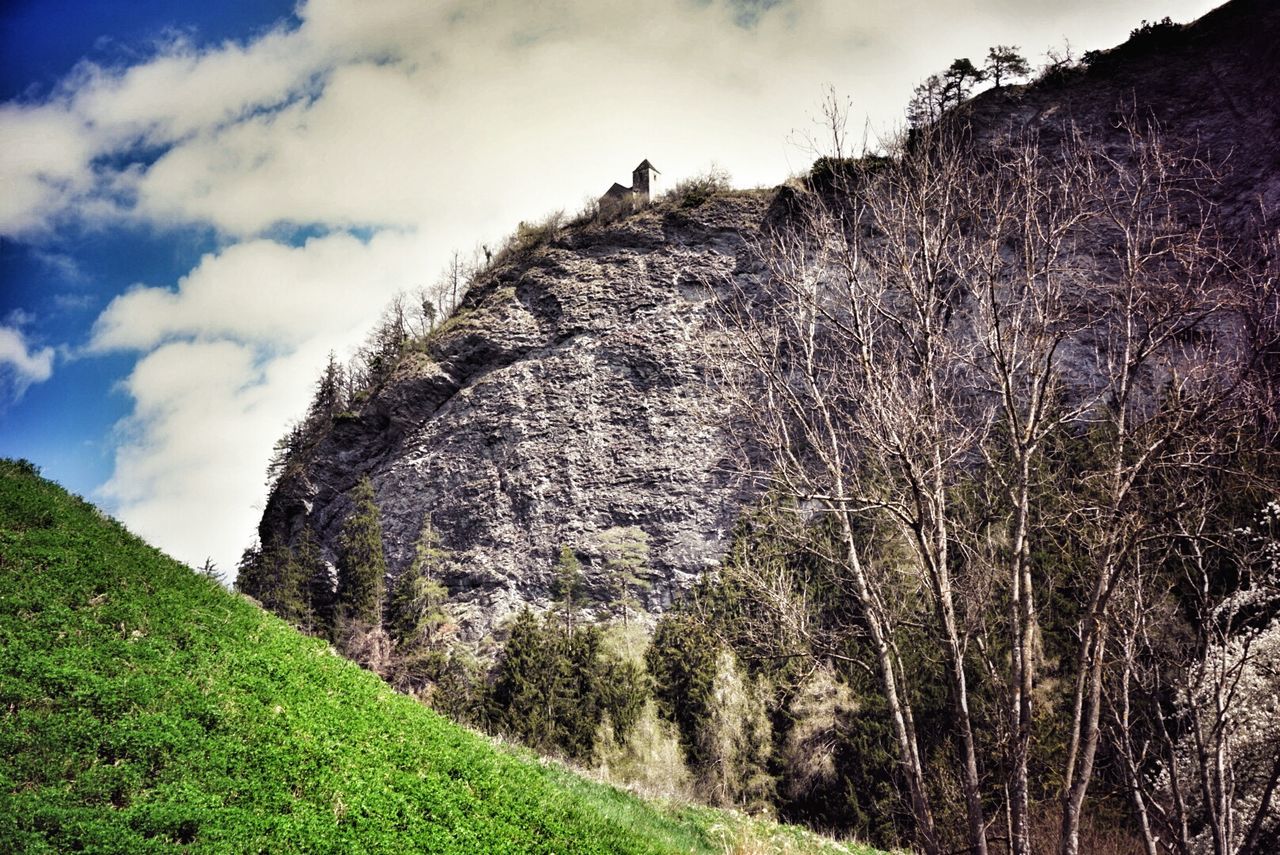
[[146, 709]]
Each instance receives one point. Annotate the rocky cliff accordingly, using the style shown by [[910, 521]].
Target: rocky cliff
[[565, 398], [569, 394]]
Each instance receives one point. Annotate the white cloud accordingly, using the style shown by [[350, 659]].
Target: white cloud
[[44, 165], [383, 112], [21, 364], [184, 90], [269, 294], [189, 460], [439, 125]]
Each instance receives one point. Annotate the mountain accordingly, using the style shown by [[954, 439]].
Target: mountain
[[146, 709], [568, 396], [565, 397]]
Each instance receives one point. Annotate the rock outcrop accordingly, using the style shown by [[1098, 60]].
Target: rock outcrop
[[568, 396]]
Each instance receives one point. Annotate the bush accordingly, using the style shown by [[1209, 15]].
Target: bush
[[1154, 31], [648, 758], [528, 237], [20, 466], [693, 192], [840, 172], [613, 210], [366, 644], [553, 689]]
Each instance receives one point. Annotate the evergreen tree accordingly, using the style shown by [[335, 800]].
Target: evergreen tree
[[626, 555], [282, 592], [1003, 63], [928, 102], [566, 587], [362, 564], [682, 660], [317, 584], [959, 79], [210, 570], [553, 690], [522, 700], [417, 600], [327, 401], [251, 572]]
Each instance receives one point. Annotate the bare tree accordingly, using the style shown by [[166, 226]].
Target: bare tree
[[1161, 290], [848, 372], [778, 359], [941, 320]]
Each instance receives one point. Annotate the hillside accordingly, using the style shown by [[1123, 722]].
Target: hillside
[[1210, 84], [146, 709]]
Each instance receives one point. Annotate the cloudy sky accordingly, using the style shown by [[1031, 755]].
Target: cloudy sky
[[199, 200]]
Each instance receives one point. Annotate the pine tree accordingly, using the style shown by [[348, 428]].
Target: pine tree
[[522, 700], [1004, 62], [362, 564], [251, 572], [928, 102], [417, 600], [626, 555], [269, 575], [567, 585], [317, 584], [960, 77], [327, 401]]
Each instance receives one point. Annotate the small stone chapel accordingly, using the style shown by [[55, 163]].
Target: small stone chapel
[[643, 178]]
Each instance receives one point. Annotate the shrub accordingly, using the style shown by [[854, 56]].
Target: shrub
[[693, 192], [809, 754], [19, 466], [553, 689], [841, 172], [648, 758], [735, 740], [367, 644], [614, 210], [1154, 31], [528, 237]]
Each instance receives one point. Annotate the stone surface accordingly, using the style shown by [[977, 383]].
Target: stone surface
[[568, 398]]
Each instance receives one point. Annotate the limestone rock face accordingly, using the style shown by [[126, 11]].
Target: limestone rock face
[[567, 397]]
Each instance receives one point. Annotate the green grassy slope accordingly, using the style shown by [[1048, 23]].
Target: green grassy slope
[[147, 709]]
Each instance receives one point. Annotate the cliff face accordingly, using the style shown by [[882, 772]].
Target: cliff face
[[567, 397]]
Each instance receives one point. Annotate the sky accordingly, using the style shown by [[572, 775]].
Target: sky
[[198, 201]]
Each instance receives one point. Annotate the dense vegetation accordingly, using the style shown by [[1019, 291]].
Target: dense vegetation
[[1017, 476], [146, 709]]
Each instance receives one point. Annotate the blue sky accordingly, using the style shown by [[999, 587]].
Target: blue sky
[[199, 200], [58, 280]]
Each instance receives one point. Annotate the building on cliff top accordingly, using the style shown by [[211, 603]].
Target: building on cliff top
[[643, 178]]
